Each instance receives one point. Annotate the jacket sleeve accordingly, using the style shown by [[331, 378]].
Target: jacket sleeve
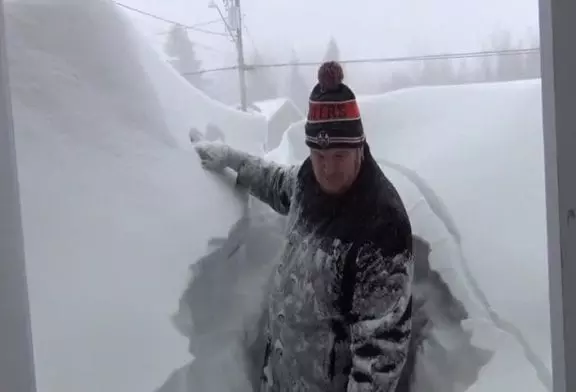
[[382, 310], [270, 182]]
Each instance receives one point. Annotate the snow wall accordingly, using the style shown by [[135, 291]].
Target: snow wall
[[114, 209]]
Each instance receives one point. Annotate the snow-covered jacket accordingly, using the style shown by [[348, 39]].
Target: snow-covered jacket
[[339, 309]]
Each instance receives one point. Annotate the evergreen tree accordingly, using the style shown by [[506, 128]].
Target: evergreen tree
[[260, 81], [333, 51], [508, 66], [299, 90], [397, 80], [487, 67], [532, 60], [182, 55], [437, 71], [463, 73], [333, 54]]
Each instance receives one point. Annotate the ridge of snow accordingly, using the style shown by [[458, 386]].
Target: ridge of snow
[[114, 209], [186, 106]]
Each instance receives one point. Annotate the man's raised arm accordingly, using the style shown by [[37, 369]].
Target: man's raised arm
[[270, 182]]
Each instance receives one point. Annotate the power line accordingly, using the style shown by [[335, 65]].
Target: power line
[[446, 56], [195, 26], [172, 22], [206, 23], [210, 48]]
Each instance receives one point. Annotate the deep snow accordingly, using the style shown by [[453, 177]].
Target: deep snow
[[476, 154], [114, 211], [116, 207]]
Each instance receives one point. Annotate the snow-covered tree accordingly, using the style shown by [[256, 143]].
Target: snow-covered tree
[[532, 60], [298, 89], [183, 57], [507, 66], [398, 79], [261, 84], [333, 51], [437, 71]]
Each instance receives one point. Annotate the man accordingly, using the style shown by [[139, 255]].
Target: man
[[339, 311]]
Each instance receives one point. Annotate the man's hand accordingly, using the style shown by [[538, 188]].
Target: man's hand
[[214, 155]]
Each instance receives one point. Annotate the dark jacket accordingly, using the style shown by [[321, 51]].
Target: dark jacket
[[339, 310]]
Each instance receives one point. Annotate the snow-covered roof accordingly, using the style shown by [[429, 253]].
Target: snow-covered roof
[[271, 106]]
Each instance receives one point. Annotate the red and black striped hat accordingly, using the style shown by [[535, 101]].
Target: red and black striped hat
[[333, 114]]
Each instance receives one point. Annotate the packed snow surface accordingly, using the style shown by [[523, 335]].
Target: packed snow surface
[[114, 210]]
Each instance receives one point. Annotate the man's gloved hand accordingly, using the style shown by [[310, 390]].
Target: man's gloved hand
[[214, 155], [217, 156]]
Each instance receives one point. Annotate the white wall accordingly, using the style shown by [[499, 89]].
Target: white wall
[[559, 96]]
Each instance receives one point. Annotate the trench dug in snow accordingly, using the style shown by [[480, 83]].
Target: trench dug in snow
[[232, 280], [462, 142]]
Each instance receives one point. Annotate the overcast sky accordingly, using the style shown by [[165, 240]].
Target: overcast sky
[[363, 28]]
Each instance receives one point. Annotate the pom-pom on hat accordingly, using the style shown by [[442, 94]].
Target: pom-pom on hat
[[333, 114]]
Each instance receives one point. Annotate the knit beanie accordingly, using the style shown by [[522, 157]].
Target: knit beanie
[[333, 115]]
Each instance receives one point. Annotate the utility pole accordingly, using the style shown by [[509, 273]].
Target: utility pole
[[240, 51], [233, 25]]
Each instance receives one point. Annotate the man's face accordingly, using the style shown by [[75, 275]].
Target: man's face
[[336, 169]]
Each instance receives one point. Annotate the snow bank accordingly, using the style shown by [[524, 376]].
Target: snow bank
[[476, 154], [114, 213], [480, 148]]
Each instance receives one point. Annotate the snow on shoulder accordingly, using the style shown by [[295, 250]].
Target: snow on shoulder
[[114, 212]]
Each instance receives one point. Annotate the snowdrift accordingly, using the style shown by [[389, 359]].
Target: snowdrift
[[114, 212], [474, 156]]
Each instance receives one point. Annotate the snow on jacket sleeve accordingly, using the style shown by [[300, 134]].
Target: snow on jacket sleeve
[[382, 309], [270, 182]]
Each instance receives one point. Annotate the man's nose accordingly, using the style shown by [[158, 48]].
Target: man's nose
[[329, 167]]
